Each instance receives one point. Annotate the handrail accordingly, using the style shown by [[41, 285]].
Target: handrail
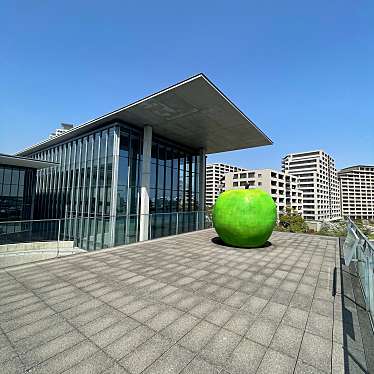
[[358, 248]]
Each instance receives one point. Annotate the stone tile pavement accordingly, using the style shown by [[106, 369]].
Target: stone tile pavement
[[183, 304]]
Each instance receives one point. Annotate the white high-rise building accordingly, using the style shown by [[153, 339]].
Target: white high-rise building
[[318, 180], [357, 191], [283, 188], [215, 174], [65, 127]]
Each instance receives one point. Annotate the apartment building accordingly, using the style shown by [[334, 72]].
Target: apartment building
[[215, 174], [282, 187], [318, 180], [357, 191]]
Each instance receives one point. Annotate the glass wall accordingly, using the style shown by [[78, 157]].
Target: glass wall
[[16, 193], [128, 189], [174, 188], [79, 189], [96, 187], [17, 188]]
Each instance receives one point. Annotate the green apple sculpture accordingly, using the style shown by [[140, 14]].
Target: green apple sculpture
[[244, 218]]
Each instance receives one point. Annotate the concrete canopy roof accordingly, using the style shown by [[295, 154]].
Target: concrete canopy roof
[[24, 162], [193, 113]]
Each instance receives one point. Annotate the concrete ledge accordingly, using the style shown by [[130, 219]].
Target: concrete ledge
[[64, 244]]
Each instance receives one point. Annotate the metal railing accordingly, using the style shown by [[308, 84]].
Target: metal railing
[[48, 238], [357, 248], [32, 240]]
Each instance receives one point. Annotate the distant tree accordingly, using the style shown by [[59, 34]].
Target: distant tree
[[292, 221], [363, 228], [337, 228]]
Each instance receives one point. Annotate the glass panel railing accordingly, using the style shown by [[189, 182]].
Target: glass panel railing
[[33, 240], [166, 224], [358, 248]]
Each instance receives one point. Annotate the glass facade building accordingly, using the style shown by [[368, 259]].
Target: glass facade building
[[95, 187], [138, 172]]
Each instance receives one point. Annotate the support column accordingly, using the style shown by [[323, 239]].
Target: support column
[[202, 184], [145, 184], [113, 205]]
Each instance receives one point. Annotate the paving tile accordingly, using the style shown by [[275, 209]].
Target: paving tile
[[219, 316], [295, 318], [51, 348], [303, 368], [245, 358], [323, 307], [301, 301], [262, 331], [94, 364], [100, 324], [12, 366], [67, 359], [15, 323], [276, 362], [172, 362], [188, 303], [282, 297], [254, 305], [316, 352], [237, 299], [7, 353], [177, 329], [163, 319], [240, 322], [196, 339], [128, 342], [265, 292], [202, 309], [146, 354], [114, 332], [115, 369], [41, 337], [200, 366], [273, 311], [220, 347], [319, 325], [287, 340]]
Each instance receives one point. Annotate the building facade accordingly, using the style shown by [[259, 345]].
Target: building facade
[[17, 187], [357, 191], [98, 182], [17, 197], [283, 188], [215, 175], [139, 172], [318, 181]]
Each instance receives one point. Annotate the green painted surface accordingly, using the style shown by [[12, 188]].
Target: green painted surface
[[244, 218]]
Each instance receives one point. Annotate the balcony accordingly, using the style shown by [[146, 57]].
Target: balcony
[[185, 304]]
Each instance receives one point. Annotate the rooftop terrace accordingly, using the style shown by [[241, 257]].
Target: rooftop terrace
[[184, 304]]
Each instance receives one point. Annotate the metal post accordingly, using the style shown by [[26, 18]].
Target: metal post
[[58, 237], [177, 223], [202, 162]]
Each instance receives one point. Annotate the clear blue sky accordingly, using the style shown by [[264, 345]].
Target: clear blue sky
[[303, 71]]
